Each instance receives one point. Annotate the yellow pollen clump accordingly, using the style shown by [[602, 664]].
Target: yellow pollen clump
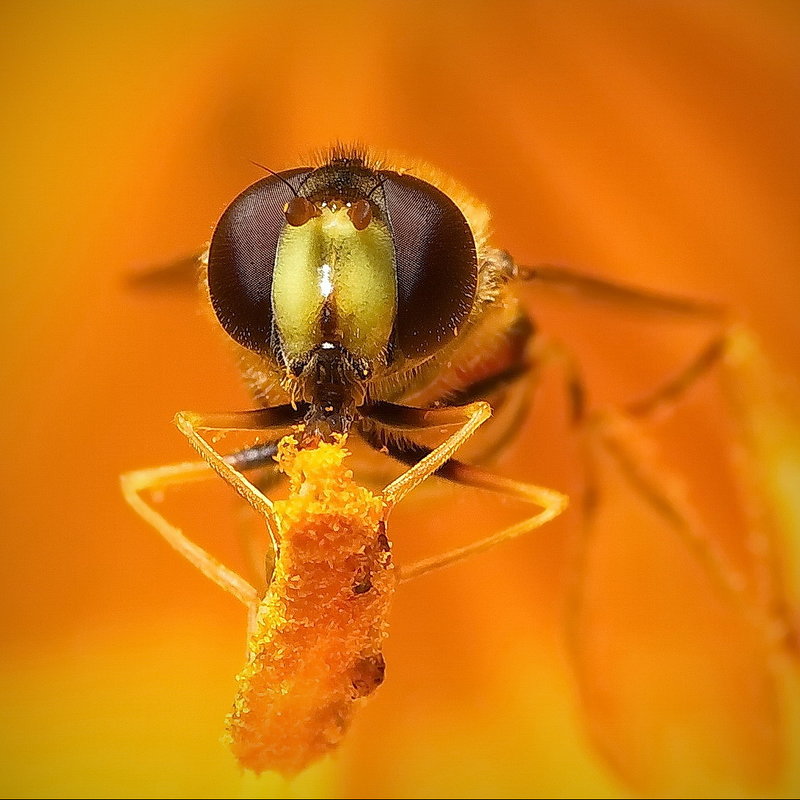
[[316, 649]]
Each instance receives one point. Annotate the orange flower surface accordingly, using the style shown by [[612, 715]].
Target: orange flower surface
[[655, 145]]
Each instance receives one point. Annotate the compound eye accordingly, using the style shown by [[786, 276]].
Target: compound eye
[[241, 258], [436, 260]]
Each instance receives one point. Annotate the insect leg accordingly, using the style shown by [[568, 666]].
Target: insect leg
[[615, 430], [598, 427], [135, 484], [670, 392], [180, 274], [589, 287], [471, 417], [550, 501], [439, 462], [630, 449], [278, 418], [618, 433]]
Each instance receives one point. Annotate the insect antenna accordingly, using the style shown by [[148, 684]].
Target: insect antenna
[[277, 175]]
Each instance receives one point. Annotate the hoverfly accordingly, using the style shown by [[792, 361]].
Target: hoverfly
[[366, 300], [351, 292]]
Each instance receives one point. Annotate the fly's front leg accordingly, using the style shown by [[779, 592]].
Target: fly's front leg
[[279, 418], [551, 502], [140, 482], [470, 417], [438, 461]]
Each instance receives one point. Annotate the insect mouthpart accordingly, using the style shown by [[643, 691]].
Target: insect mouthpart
[[332, 382]]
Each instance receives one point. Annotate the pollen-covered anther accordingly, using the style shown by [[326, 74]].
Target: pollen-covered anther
[[316, 648]]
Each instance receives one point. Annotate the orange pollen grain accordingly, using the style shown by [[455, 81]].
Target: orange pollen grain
[[317, 647]]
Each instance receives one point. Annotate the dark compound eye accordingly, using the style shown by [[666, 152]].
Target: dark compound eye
[[241, 259], [437, 268]]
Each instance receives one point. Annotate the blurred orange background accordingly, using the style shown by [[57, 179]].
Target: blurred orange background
[[655, 143]]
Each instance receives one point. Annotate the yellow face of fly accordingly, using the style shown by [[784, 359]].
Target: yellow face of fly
[[334, 282]]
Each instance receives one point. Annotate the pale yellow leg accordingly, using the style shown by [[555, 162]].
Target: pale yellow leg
[[551, 502], [134, 484], [188, 424], [475, 415]]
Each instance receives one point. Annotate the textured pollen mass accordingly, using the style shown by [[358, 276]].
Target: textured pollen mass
[[316, 650]]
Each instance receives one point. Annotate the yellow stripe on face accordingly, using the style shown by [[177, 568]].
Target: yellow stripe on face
[[328, 259]]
